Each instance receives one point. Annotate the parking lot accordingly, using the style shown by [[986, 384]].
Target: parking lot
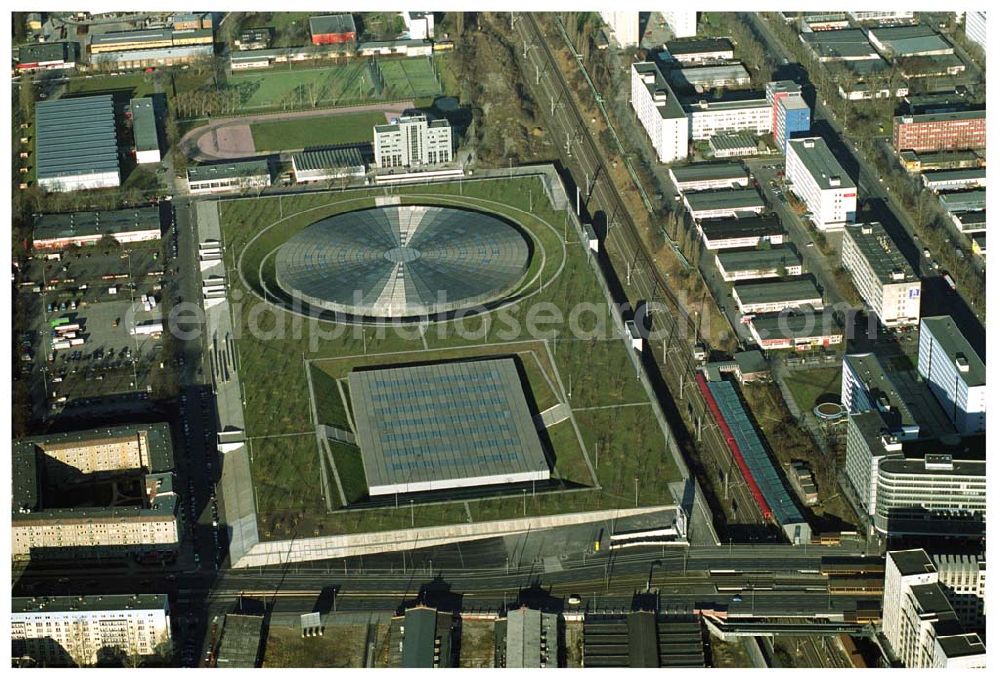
[[95, 294]]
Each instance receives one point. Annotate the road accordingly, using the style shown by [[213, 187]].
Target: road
[[584, 158], [936, 297]]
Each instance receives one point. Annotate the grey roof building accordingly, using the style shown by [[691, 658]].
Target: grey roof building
[[747, 231], [328, 163], [246, 174], [909, 41], [698, 176], [843, 45], [642, 639], [721, 75], [707, 204], [528, 638], [775, 295], [964, 201], [76, 145], [446, 425], [777, 260]]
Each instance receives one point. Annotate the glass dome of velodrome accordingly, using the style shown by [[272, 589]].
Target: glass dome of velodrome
[[402, 261]]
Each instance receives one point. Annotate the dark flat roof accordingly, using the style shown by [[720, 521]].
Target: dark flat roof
[[245, 168], [758, 225], [708, 171], [699, 46], [76, 224], [101, 602], [790, 289], [912, 562]]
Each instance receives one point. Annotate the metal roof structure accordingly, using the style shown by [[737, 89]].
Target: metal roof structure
[[445, 425], [81, 224], [642, 639], [908, 40], [162, 54], [326, 158], [426, 639], [848, 43], [129, 37], [964, 201], [757, 225], [880, 252], [232, 170], [792, 289], [332, 23], [738, 199], [798, 325], [939, 176], [820, 163], [755, 454], [144, 124], [694, 172], [745, 259], [953, 343], [240, 644], [707, 75], [75, 137], [403, 261]]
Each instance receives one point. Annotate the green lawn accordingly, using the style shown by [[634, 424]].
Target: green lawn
[[598, 373], [808, 385], [140, 84], [286, 476], [284, 135], [350, 470]]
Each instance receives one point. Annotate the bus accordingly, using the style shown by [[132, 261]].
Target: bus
[[56, 322]]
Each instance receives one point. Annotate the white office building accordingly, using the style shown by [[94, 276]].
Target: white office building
[[963, 577], [829, 194], [911, 493], [624, 27], [682, 24], [708, 119], [881, 274], [410, 141], [881, 16], [955, 373], [71, 630], [659, 112], [918, 623], [975, 28]]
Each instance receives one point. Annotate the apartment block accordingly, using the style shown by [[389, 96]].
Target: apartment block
[[963, 577], [954, 371], [940, 131], [881, 274], [660, 113], [682, 24], [624, 27], [710, 118], [64, 631], [821, 183], [794, 117]]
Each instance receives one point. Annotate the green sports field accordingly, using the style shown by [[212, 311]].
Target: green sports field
[[609, 447], [282, 88]]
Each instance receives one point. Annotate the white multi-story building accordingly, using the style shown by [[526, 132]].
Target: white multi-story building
[[963, 577], [420, 25], [709, 176], [411, 141], [881, 16], [975, 28], [918, 623], [708, 119], [911, 491], [72, 630], [868, 443], [659, 112], [682, 24], [624, 27], [954, 371], [881, 274], [830, 195]]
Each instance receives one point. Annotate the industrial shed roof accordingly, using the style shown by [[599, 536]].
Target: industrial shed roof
[[75, 136], [72, 224]]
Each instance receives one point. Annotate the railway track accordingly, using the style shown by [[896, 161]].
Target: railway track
[[676, 360]]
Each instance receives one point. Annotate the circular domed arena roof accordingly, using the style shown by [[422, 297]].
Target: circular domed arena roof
[[402, 261]]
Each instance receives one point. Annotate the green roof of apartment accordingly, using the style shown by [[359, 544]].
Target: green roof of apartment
[[780, 290], [244, 168], [95, 603], [161, 451], [419, 640], [747, 259], [880, 251], [78, 224], [144, 124], [721, 200], [75, 136], [820, 162], [332, 23], [671, 107], [321, 159], [707, 171], [953, 342]]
